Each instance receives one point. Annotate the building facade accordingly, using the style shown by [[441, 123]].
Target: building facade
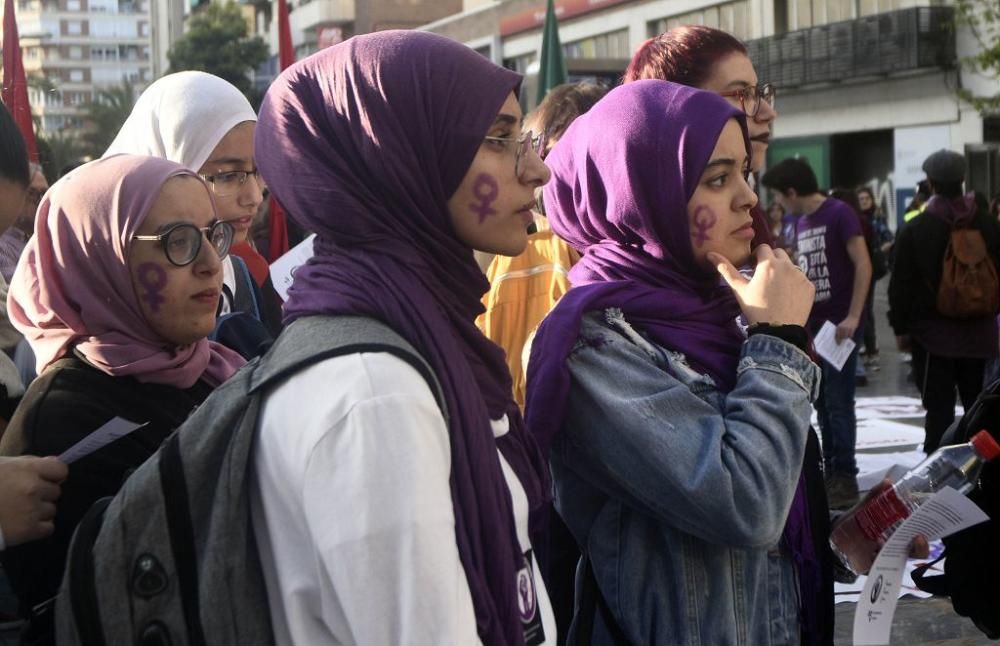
[[74, 48], [866, 88], [316, 24]]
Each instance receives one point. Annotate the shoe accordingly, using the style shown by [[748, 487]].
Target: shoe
[[841, 491]]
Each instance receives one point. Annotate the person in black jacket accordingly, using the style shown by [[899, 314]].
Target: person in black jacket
[[116, 293], [947, 352]]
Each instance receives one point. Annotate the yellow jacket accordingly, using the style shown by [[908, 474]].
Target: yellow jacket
[[523, 289]]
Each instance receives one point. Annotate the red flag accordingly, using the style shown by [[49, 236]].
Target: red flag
[[277, 227], [286, 55], [15, 87]]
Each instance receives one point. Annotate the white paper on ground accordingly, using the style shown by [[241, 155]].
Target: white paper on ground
[[942, 514], [880, 433], [283, 269], [892, 407], [106, 434], [827, 347]]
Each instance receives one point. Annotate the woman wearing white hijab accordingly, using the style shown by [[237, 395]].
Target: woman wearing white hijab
[[204, 123]]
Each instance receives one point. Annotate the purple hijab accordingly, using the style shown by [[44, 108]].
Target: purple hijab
[[363, 144], [621, 201]]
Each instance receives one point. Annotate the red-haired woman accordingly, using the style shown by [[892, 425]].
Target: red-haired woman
[[716, 61]]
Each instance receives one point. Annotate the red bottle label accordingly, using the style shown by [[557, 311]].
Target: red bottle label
[[880, 513]]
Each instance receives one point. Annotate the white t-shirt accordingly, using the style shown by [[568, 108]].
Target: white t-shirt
[[352, 510]]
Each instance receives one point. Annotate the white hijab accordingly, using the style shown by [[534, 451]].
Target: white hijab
[[182, 117]]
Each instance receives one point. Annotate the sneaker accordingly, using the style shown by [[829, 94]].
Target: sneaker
[[841, 491]]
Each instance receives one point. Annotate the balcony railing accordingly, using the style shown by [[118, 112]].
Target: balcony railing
[[879, 45]]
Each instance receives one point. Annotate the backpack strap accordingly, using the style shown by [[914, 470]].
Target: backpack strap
[[181, 531], [246, 298], [305, 342], [312, 339], [82, 584]]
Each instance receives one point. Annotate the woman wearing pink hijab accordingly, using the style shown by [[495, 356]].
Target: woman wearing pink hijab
[[116, 293]]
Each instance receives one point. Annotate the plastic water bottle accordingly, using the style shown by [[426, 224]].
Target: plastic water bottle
[[861, 532]]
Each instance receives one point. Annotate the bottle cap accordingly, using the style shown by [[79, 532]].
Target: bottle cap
[[985, 445]]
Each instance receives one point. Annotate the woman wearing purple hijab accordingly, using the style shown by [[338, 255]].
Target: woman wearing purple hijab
[[378, 521], [676, 434]]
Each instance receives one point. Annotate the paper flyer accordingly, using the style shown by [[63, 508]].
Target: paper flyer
[[945, 513], [827, 347], [106, 434], [283, 269]]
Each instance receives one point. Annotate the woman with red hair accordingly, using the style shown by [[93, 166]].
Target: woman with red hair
[[716, 61]]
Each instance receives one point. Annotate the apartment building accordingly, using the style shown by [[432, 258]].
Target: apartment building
[[78, 47], [866, 88], [316, 24]]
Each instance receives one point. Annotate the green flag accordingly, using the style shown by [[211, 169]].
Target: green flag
[[552, 70]]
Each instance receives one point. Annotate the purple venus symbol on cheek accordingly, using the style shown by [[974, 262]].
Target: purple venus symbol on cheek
[[486, 190], [152, 278], [704, 220]]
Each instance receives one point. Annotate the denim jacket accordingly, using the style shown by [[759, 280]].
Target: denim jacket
[[679, 492]]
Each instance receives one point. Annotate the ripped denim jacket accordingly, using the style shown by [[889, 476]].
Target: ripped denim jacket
[[679, 492]]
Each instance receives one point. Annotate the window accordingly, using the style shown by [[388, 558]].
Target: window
[[72, 5], [74, 27], [732, 17], [76, 53], [76, 76], [520, 63], [611, 45]]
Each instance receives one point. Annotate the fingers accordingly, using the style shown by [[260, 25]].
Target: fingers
[[46, 512], [51, 468], [729, 273], [41, 530], [48, 491], [764, 252], [919, 548]]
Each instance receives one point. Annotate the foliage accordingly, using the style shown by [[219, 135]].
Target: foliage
[[217, 42], [105, 116], [982, 19], [58, 151]]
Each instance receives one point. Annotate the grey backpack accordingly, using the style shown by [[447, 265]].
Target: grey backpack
[[171, 559]]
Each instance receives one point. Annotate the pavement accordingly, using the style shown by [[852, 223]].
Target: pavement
[[917, 621]]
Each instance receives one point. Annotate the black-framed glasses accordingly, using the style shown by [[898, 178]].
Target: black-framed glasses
[[182, 242], [230, 182], [752, 96], [527, 141]]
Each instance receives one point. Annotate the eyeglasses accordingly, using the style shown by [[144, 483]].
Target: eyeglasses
[[230, 182], [182, 242], [526, 141], [751, 97]]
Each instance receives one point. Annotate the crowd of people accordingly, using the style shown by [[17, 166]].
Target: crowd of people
[[614, 445]]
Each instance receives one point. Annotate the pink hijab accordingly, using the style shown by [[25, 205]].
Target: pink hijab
[[73, 289]]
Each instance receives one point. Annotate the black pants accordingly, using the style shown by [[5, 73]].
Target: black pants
[[937, 377]]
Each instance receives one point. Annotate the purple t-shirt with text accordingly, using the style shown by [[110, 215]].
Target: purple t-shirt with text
[[821, 251]]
